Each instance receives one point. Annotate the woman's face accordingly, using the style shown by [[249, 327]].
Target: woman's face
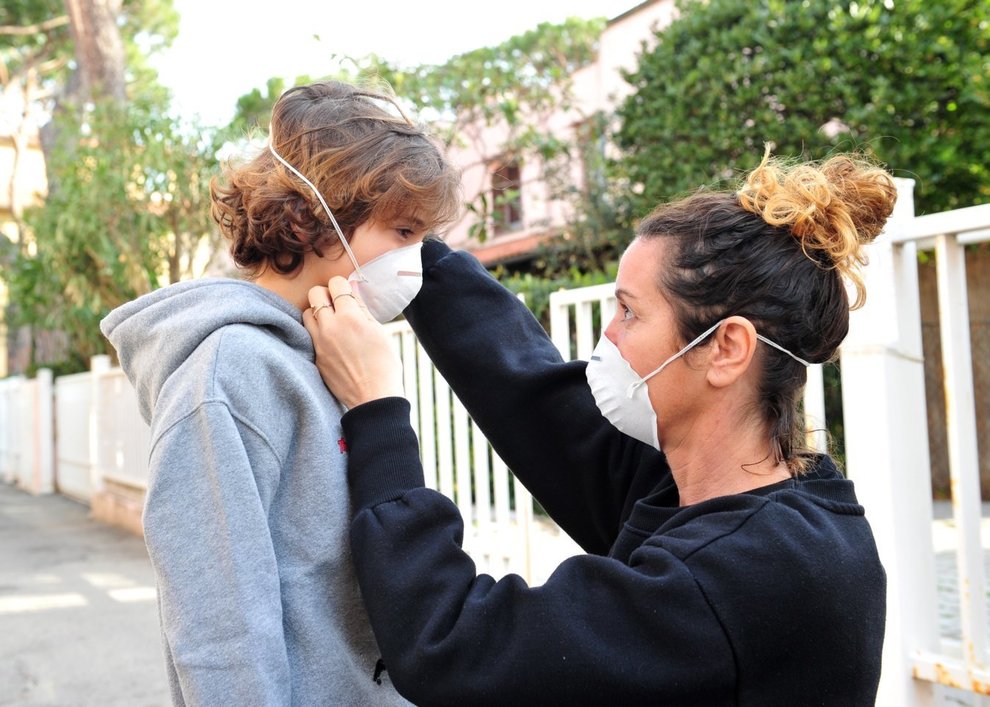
[[644, 329]]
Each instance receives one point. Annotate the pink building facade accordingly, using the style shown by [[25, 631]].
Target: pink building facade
[[527, 210]]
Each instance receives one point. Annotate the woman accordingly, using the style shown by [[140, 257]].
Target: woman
[[246, 513], [733, 568]]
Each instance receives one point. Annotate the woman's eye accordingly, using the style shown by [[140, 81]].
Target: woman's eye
[[626, 312]]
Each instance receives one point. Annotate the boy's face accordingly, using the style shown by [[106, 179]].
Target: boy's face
[[370, 240]]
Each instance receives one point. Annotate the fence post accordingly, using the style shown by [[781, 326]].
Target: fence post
[[43, 477], [886, 435], [98, 366]]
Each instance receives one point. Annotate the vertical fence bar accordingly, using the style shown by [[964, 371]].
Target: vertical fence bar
[[500, 484], [607, 308], [886, 435], [99, 367], [505, 540], [960, 412], [584, 328], [524, 518], [43, 472], [462, 462], [27, 445], [814, 410], [11, 441], [409, 375], [560, 326], [482, 478], [445, 442], [427, 427]]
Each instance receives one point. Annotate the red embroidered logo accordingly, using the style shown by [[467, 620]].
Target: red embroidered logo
[[342, 443]]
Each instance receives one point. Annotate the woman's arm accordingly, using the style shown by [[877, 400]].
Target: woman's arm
[[597, 632], [536, 409], [206, 527]]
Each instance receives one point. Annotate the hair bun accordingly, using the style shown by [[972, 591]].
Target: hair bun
[[832, 207]]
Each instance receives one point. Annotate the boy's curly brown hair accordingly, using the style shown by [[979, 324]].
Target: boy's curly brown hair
[[369, 164]]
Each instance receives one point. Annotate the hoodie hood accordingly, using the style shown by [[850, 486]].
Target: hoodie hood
[[156, 333]]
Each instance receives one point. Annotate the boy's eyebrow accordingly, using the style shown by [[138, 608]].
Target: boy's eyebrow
[[417, 223]]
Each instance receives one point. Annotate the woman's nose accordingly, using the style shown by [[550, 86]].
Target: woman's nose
[[610, 330]]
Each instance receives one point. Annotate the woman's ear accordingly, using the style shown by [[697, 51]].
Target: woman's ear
[[734, 346]]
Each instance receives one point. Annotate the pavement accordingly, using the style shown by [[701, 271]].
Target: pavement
[[79, 620], [78, 616]]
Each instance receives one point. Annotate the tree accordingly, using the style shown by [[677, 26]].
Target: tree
[[131, 212], [128, 203], [99, 49], [521, 85], [906, 80], [34, 54]]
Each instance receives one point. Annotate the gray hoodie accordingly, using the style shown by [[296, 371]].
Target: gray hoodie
[[246, 517]]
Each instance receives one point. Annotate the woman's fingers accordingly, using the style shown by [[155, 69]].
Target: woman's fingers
[[353, 352]]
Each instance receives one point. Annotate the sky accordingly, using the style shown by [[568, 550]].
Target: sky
[[226, 48]]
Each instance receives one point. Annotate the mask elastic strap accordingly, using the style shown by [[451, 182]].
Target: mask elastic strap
[[767, 341], [696, 341], [340, 234]]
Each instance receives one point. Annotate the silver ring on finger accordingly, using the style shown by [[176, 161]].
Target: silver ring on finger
[[316, 309]]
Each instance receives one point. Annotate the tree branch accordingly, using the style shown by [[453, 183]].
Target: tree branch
[[55, 22]]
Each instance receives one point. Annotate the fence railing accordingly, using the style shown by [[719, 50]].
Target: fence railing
[[884, 422]]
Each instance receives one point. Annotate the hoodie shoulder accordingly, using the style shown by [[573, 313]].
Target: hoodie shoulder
[[179, 330]]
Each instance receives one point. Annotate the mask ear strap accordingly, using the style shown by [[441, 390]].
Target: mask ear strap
[[797, 358], [697, 340], [340, 234]]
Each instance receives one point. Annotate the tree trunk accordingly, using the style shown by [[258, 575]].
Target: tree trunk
[[99, 49]]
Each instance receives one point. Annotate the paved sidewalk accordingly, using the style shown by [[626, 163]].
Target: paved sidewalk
[[79, 621], [78, 617]]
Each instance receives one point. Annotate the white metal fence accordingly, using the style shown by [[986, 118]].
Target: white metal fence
[[73, 409], [885, 429], [886, 436]]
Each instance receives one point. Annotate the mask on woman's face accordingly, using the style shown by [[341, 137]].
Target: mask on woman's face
[[386, 284], [622, 396]]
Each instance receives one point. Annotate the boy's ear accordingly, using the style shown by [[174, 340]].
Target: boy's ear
[[732, 354]]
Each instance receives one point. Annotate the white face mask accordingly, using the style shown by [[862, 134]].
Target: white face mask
[[386, 284], [622, 396]]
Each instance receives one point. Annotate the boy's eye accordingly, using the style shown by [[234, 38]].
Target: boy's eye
[[405, 233]]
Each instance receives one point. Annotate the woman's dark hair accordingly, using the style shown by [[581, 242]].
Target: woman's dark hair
[[369, 163], [776, 252]]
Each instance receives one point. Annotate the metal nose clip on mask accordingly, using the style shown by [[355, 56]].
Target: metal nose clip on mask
[[621, 394], [386, 284]]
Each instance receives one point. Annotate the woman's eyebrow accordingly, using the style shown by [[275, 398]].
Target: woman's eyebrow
[[621, 293]]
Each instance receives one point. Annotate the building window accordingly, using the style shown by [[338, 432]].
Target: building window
[[506, 197]]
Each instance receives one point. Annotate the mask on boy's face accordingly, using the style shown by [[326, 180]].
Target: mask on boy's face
[[621, 394], [386, 284]]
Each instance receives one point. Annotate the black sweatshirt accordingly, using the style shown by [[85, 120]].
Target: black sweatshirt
[[772, 597]]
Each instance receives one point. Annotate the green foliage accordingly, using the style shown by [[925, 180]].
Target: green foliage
[[524, 76], [44, 56], [45, 51], [147, 27], [516, 85], [906, 80], [537, 289], [130, 210]]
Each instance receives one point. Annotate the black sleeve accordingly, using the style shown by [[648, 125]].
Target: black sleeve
[[597, 632], [535, 409]]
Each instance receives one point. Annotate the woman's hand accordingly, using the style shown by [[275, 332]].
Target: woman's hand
[[353, 352]]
